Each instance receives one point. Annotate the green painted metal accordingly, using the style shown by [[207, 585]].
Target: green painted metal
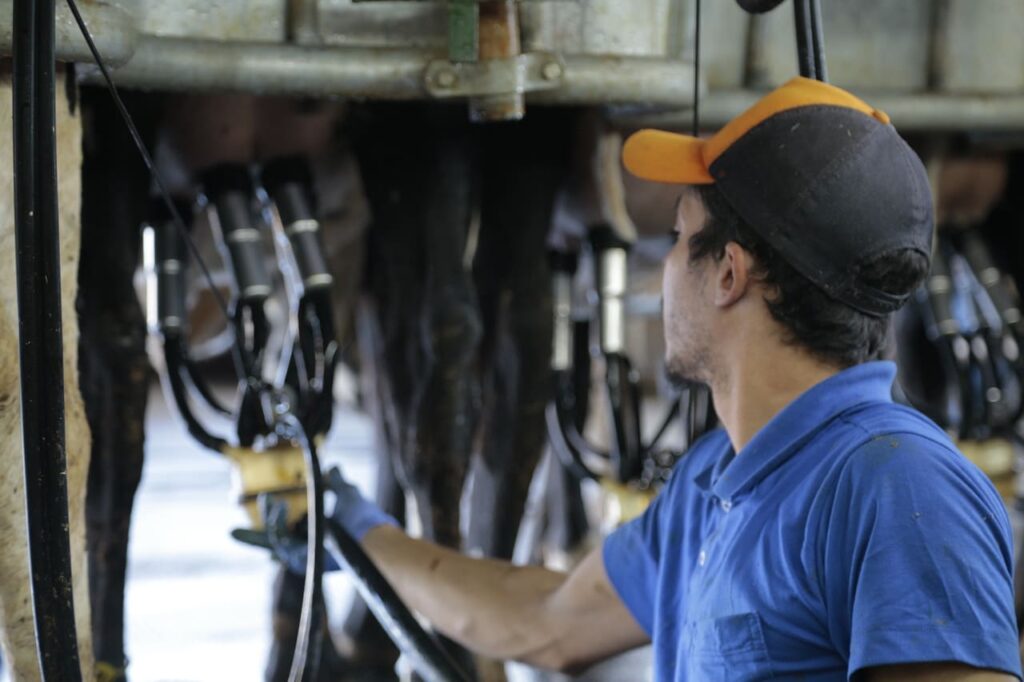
[[463, 30]]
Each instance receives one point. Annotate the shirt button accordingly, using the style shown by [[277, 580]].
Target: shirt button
[[702, 558], [726, 505]]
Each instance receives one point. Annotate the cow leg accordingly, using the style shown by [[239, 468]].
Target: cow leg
[[287, 605], [112, 355], [525, 167], [418, 165], [419, 182], [16, 620]]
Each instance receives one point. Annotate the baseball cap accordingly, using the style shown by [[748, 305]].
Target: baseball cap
[[820, 175]]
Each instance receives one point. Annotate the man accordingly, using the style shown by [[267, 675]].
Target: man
[[824, 532]]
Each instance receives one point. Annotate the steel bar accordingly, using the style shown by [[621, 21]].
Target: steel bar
[[817, 40], [178, 64], [37, 247], [116, 27], [804, 55], [915, 112], [810, 41]]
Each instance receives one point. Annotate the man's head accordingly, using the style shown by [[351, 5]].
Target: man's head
[[810, 223], [724, 260]]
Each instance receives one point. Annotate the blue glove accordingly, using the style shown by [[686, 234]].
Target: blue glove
[[286, 547], [351, 510]]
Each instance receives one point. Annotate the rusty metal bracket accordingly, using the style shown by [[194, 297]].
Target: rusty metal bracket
[[526, 73]]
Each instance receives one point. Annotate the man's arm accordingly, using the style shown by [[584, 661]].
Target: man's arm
[[544, 618], [934, 672]]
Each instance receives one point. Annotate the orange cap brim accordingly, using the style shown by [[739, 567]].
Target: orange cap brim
[[681, 159], [666, 157]]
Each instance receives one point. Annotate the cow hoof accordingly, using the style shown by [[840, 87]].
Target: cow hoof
[[108, 672]]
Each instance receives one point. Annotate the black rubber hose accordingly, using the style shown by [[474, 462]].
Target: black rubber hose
[[289, 182], [425, 653], [40, 339], [171, 285], [177, 369], [229, 189], [567, 442], [627, 448], [983, 264], [203, 390]]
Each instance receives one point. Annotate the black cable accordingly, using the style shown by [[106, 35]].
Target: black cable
[[177, 369], [308, 642], [37, 253], [673, 412], [202, 387]]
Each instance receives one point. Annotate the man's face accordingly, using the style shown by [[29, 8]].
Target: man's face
[[685, 310]]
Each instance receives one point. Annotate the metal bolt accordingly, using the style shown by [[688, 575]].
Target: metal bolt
[[446, 78], [551, 71]]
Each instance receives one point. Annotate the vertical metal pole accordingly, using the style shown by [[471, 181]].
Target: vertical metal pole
[[805, 59], [37, 246], [818, 41], [810, 41]]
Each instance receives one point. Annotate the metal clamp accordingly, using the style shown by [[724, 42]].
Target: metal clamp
[[531, 72]]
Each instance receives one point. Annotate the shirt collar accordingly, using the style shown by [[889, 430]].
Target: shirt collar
[[731, 476]]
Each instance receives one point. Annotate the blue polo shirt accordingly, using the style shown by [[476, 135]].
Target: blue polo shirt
[[849, 533]]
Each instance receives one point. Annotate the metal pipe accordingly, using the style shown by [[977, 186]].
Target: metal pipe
[[913, 112], [818, 40], [40, 339], [115, 27], [805, 56], [180, 64]]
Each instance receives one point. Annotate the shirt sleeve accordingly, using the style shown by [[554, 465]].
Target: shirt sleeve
[[630, 556], [917, 560]]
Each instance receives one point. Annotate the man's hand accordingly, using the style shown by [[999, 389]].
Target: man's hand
[[282, 541], [530, 614], [351, 510], [527, 613]]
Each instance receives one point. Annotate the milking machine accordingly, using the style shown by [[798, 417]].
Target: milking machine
[[278, 420]]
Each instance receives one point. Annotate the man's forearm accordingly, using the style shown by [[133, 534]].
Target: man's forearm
[[491, 607]]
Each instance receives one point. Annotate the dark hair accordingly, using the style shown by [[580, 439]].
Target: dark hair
[[831, 330]]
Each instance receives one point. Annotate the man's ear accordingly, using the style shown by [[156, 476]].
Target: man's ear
[[732, 278]]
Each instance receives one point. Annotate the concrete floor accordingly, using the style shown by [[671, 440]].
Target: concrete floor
[[198, 602]]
